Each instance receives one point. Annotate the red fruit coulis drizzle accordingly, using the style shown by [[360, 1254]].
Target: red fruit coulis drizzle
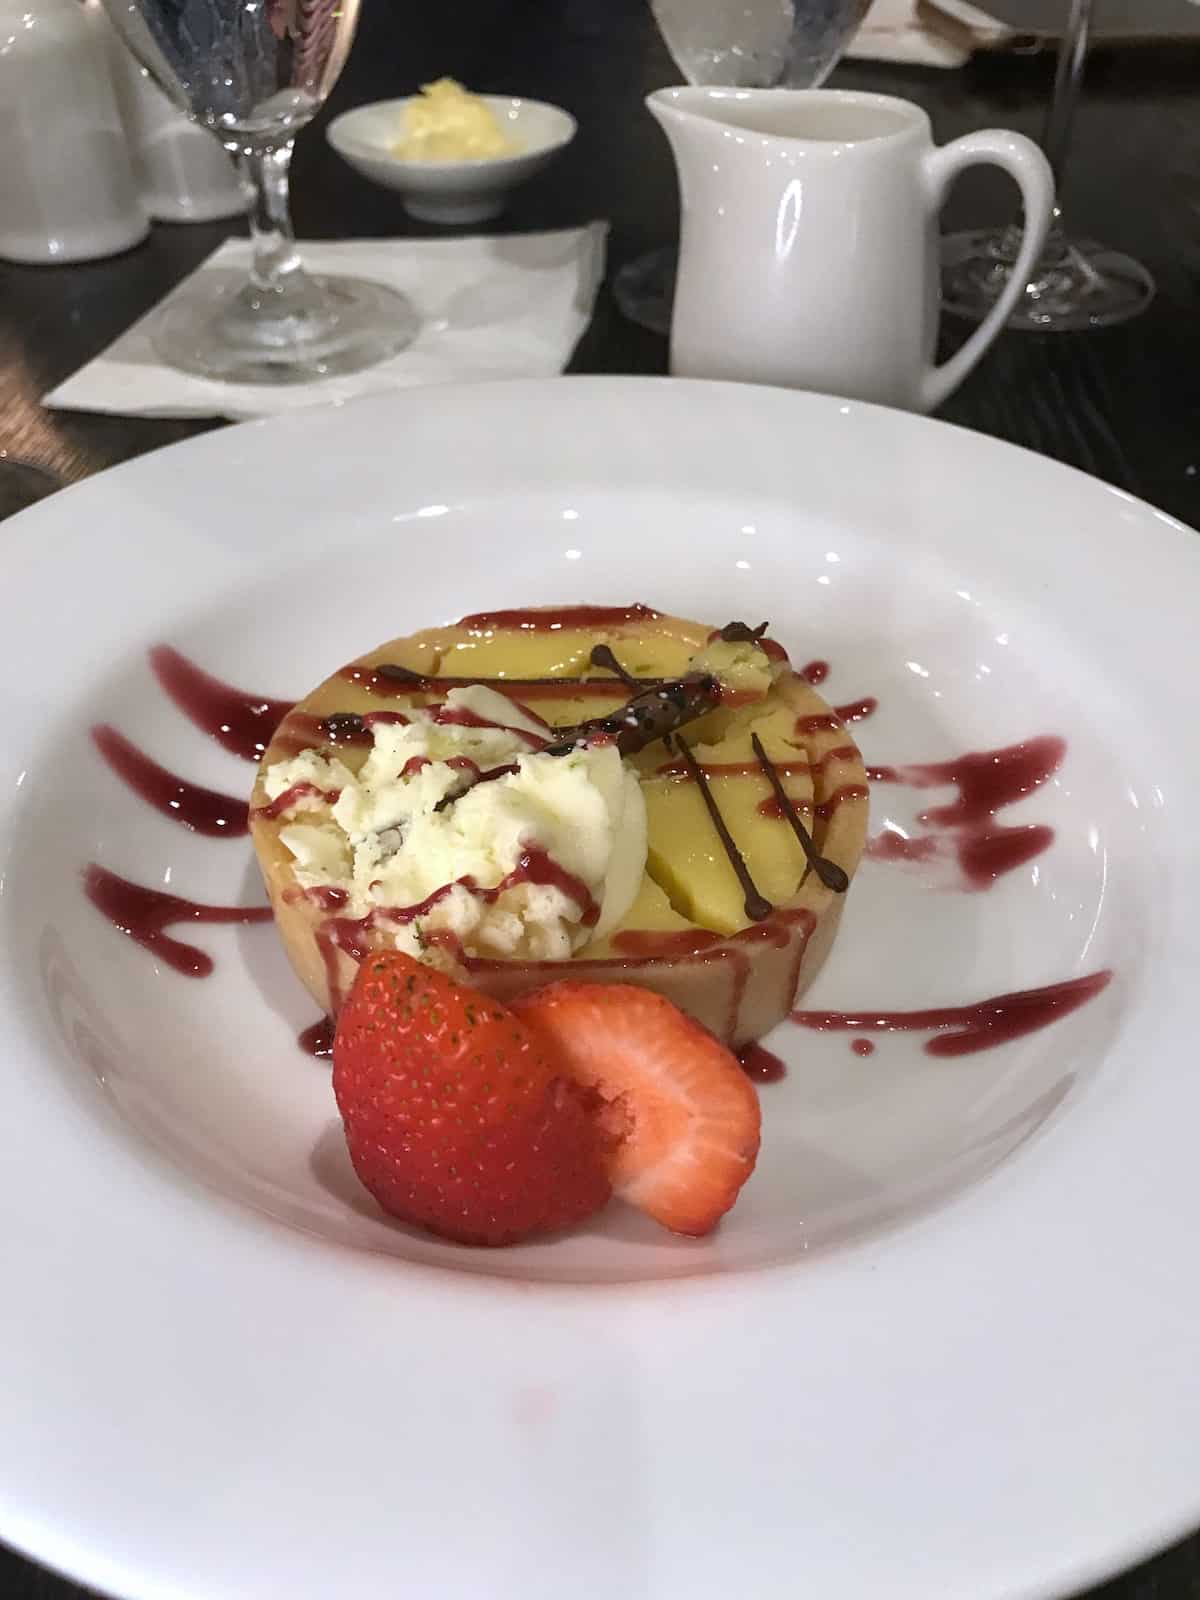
[[983, 854], [987, 781], [387, 679], [553, 619], [351, 934], [326, 897], [145, 915], [533, 866], [771, 648], [645, 944], [822, 722], [219, 816], [857, 710], [753, 769], [848, 791], [963, 1030], [317, 1038], [731, 769], [666, 948], [770, 807], [299, 731], [243, 723], [461, 717], [760, 1064], [272, 810], [375, 680], [703, 945]]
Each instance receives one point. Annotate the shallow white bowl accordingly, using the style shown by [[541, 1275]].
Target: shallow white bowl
[[944, 1348], [451, 191]]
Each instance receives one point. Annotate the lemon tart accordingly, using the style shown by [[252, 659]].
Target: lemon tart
[[606, 793]]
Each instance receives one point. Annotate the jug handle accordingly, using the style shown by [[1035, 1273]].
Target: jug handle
[[1029, 169]]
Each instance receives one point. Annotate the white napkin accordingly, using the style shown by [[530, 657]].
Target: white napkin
[[504, 307], [926, 33]]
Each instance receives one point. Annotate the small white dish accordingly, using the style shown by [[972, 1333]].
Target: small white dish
[[451, 191]]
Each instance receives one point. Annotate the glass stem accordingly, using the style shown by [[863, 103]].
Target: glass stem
[[276, 259], [1067, 79]]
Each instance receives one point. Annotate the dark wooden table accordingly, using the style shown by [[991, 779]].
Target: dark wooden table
[[1123, 404]]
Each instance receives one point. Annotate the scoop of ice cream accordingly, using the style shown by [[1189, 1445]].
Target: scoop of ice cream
[[533, 862]]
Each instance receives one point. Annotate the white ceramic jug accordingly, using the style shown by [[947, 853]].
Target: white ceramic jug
[[809, 239], [67, 191], [182, 173]]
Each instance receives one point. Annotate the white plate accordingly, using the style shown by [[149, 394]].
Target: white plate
[[905, 1366]]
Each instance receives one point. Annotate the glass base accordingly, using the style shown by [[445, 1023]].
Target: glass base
[[1079, 284], [318, 328], [645, 289]]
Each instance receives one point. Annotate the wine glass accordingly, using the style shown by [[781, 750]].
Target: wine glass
[[736, 44], [254, 72], [1079, 283]]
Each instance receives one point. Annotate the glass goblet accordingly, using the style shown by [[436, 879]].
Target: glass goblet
[[1078, 284], [254, 72]]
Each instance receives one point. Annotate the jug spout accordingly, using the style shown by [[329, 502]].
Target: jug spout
[[695, 123], [697, 102], [687, 115]]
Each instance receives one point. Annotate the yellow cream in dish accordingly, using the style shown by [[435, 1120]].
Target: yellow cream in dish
[[445, 122]]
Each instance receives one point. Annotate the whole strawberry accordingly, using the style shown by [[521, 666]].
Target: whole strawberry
[[455, 1118]]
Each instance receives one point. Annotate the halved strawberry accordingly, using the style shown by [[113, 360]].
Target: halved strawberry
[[681, 1115]]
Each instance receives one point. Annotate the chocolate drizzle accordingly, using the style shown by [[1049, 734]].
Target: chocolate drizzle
[[651, 714], [406, 678], [758, 907], [742, 632], [648, 717], [489, 776], [659, 707], [830, 874], [344, 727], [602, 656], [404, 675]]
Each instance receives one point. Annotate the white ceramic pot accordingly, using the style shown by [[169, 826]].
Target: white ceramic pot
[[182, 173], [67, 190]]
